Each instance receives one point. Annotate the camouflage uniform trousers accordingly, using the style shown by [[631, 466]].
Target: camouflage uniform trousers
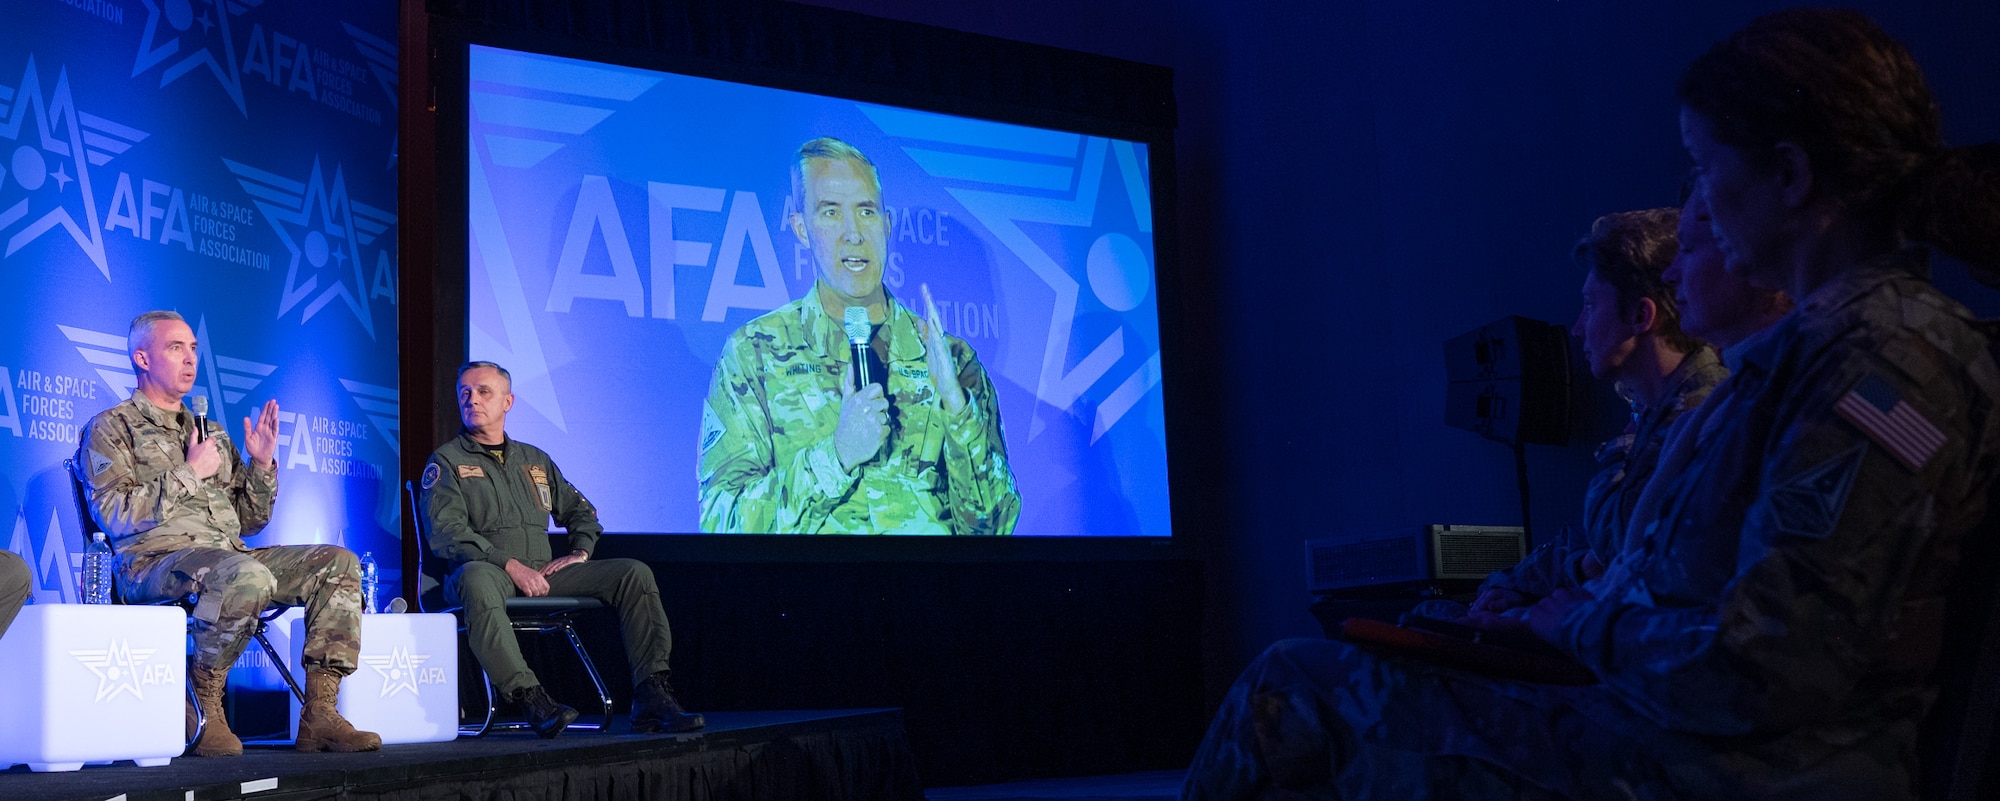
[[15, 582], [235, 587], [625, 584], [1320, 719]]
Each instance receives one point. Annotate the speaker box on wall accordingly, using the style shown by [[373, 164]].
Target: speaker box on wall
[[1509, 381]]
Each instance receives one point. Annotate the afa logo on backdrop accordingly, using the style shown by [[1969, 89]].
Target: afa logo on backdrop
[[225, 44], [324, 231], [45, 176]]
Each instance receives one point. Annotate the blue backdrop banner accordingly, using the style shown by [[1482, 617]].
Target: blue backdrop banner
[[233, 160]]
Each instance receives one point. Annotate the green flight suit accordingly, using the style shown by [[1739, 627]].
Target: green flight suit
[[484, 512]]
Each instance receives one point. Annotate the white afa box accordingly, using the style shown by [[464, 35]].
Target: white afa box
[[406, 687], [93, 683]]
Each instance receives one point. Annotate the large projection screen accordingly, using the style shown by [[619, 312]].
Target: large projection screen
[[623, 223]]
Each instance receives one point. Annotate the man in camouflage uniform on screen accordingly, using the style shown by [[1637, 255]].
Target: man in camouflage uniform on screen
[[176, 502], [795, 441], [1769, 636]]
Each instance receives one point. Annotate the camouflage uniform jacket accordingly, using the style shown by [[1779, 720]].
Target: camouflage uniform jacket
[[1626, 463], [768, 464], [1787, 590], [146, 497], [483, 509]]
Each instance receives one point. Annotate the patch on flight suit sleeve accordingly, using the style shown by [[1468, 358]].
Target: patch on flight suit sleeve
[[711, 428], [1880, 412], [431, 475], [471, 471], [540, 477], [98, 463], [1809, 504]]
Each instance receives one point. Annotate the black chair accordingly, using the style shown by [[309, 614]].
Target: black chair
[[88, 524], [549, 614]]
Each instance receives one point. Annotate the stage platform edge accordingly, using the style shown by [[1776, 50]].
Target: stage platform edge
[[831, 754]]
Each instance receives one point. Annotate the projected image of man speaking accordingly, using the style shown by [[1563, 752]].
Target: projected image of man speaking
[[844, 412]]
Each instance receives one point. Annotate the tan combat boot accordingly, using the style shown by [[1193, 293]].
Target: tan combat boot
[[321, 728], [216, 738]]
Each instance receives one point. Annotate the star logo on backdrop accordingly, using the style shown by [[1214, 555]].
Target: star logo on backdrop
[[516, 126], [324, 230], [47, 148], [398, 670], [196, 35], [1061, 201], [117, 667]]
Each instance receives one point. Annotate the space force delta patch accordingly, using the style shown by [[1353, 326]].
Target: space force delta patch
[[1880, 412], [431, 473]]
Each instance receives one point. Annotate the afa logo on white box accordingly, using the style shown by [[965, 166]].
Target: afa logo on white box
[[122, 669]]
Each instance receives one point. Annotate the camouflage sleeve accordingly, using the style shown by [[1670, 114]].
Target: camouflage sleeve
[[744, 488], [451, 535], [1828, 551], [574, 512], [125, 498], [252, 489], [982, 497]]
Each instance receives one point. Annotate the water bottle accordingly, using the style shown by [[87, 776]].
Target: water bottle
[[96, 579], [368, 589]]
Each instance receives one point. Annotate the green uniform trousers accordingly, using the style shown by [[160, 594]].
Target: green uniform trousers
[[625, 584]]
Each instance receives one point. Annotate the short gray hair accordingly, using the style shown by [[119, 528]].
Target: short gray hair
[[471, 366], [827, 148], [140, 336]]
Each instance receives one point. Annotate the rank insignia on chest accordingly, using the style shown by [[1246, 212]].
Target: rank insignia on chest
[[471, 471]]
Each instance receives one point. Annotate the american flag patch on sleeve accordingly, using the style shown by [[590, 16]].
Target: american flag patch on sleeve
[[1875, 407]]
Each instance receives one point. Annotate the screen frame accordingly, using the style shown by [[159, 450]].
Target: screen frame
[[446, 94]]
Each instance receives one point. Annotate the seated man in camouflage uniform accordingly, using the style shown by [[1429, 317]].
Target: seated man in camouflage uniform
[[177, 501], [488, 499], [15, 582], [794, 441]]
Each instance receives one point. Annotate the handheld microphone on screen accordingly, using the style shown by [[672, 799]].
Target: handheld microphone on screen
[[200, 417], [857, 336]]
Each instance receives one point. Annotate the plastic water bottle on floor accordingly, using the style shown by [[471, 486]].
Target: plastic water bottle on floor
[[95, 583], [368, 589]]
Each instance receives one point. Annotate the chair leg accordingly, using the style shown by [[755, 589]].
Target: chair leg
[[278, 662], [200, 719], [492, 709], [596, 679]]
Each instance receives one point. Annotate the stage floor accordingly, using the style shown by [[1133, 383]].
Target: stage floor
[[856, 753]]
